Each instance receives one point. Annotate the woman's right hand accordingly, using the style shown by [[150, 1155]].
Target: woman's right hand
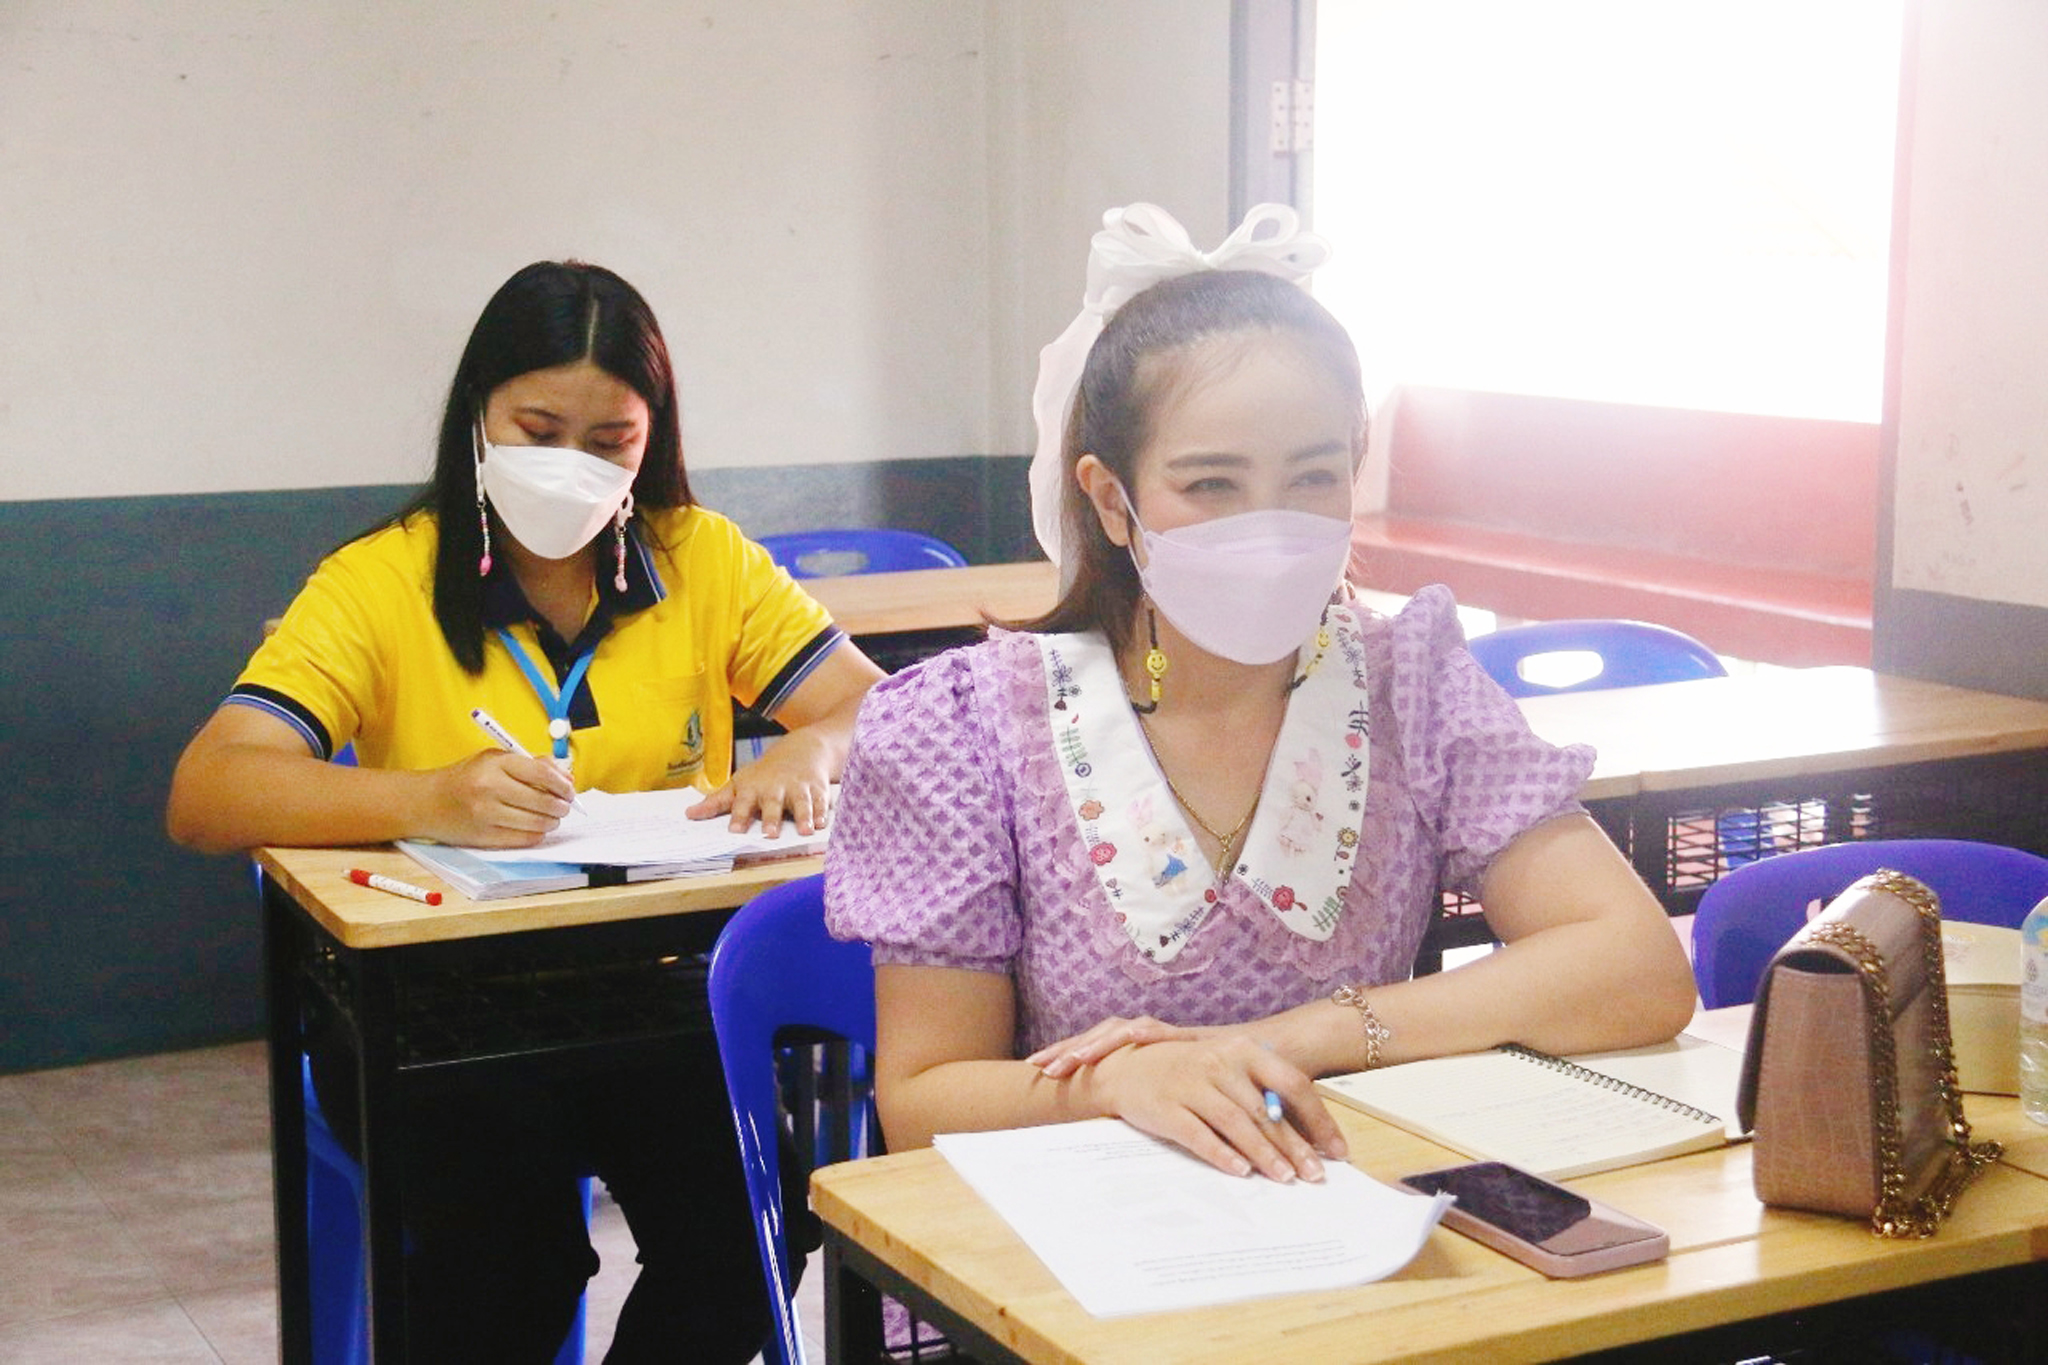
[[1207, 1095], [494, 799]]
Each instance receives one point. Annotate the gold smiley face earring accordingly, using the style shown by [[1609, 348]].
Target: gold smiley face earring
[[1155, 666]]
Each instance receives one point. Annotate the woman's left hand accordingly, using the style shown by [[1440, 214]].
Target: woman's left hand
[[792, 779]]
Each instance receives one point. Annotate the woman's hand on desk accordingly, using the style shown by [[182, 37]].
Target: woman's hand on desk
[[493, 799], [1208, 1095], [792, 780]]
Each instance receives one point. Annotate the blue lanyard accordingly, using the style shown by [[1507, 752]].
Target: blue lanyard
[[555, 703]]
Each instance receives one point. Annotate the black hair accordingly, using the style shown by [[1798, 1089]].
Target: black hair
[[1130, 368], [550, 313]]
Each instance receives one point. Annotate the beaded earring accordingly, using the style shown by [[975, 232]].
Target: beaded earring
[[1155, 666], [483, 516], [619, 539]]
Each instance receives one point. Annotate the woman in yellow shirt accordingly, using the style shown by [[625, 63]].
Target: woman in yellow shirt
[[556, 574]]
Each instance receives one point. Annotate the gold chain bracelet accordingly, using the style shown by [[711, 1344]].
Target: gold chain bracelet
[[1376, 1033]]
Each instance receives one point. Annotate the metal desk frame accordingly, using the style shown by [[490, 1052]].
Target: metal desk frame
[[556, 998]]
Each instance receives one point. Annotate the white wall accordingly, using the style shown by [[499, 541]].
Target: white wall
[[245, 241], [1093, 105], [1971, 509]]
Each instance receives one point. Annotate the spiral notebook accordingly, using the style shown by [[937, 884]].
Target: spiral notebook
[[1560, 1116]]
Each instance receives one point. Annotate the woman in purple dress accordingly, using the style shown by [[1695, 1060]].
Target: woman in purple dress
[[1176, 843]]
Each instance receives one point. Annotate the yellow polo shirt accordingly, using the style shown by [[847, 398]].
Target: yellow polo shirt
[[706, 618]]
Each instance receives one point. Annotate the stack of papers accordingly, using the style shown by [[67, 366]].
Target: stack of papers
[[1130, 1224], [640, 836]]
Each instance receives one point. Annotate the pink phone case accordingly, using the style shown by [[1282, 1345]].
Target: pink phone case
[[1606, 1239]]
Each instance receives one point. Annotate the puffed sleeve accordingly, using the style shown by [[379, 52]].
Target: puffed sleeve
[[923, 862], [1473, 764]]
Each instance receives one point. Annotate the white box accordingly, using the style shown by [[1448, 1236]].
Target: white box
[[1982, 962]]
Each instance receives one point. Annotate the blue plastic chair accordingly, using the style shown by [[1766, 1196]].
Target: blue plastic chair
[[838, 551], [773, 969], [1749, 913], [1628, 654], [1631, 654]]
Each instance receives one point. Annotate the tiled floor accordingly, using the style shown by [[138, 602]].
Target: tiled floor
[[135, 1217]]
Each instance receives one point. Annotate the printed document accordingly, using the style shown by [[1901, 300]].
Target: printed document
[[638, 829], [1130, 1224]]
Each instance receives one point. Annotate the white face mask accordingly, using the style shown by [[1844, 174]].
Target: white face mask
[[552, 499], [1249, 587]]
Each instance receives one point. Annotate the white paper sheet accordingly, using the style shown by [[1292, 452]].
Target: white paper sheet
[[1129, 1224], [639, 829]]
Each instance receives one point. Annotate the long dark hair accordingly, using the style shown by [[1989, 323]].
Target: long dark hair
[[550, 313], [1140, 358]]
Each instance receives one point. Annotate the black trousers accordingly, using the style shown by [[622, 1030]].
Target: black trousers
[[497, 1248]]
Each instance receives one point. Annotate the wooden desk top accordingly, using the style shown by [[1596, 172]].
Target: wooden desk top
[[933, 599], [1730, 1259], [361, 917], [1789, 723]]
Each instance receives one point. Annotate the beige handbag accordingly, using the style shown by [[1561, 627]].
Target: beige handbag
[[1849, 1082]]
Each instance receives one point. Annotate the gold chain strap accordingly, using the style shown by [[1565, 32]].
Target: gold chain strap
[[1895, 1215]]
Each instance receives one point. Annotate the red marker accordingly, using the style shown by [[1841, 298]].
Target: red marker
[[394, 886]]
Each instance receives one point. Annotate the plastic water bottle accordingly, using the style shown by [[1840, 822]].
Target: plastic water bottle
[[2034, 1014]]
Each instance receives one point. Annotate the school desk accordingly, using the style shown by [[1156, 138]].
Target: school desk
[[936, 599], [1800, 757], [908, 1225], [901, 618], [1696, 777], [550, 981]]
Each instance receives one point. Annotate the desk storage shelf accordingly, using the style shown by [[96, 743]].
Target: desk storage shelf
[[516, 997], [1681, 842], [451, 1016]]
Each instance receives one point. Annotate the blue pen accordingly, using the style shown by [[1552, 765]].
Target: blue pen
[[503, 739], [1273, 1109]]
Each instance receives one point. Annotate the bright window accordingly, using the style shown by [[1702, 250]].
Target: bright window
[[1651, 201]]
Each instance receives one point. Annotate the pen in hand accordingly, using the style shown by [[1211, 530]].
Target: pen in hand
[[503, 739]]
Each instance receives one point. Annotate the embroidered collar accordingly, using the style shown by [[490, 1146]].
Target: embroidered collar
[[1298, 855]]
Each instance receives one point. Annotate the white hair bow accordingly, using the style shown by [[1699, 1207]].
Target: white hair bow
[[1140, 245]]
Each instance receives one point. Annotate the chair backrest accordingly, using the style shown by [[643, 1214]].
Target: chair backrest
[[776, 968], [1629, 653], [838, 551], [1748, 913]]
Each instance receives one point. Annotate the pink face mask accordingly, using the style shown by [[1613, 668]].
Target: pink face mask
[[1250, 587]]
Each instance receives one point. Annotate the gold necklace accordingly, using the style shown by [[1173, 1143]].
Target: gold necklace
[[1226, 841]]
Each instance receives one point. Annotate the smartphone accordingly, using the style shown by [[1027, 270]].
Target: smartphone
[[1544, 1226]]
